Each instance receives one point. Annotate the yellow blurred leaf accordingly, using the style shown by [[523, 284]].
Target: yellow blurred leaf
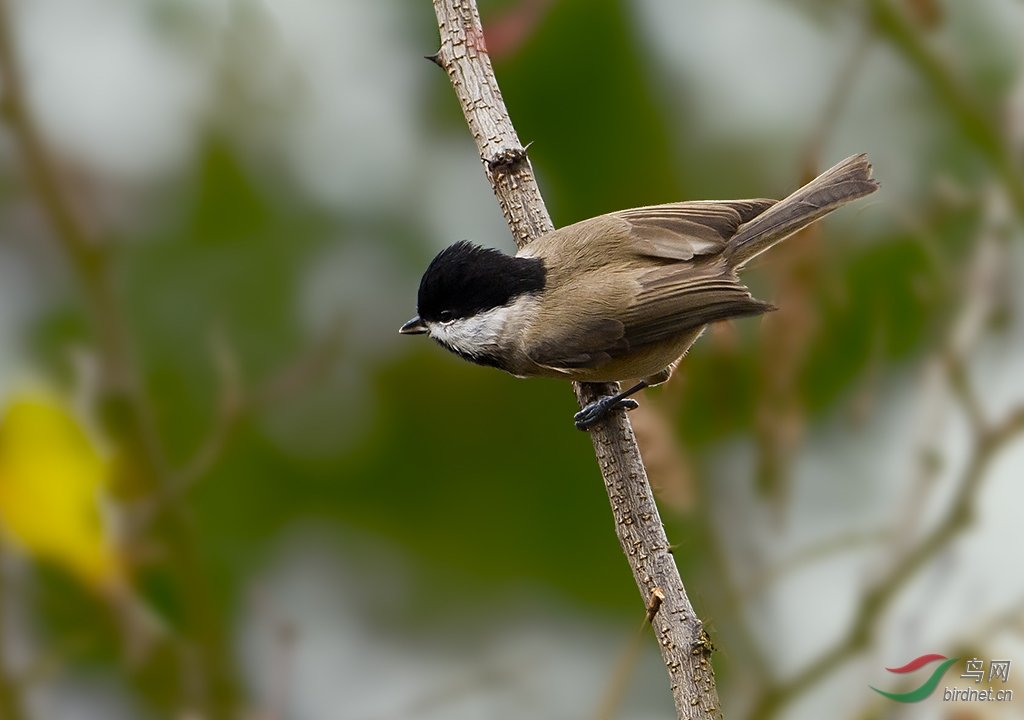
[[50, 477]]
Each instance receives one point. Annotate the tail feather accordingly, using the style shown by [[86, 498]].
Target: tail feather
[[843, 183]]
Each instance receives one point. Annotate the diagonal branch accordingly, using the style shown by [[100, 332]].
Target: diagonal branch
[[685, 646], [957, 519], [88, 260]]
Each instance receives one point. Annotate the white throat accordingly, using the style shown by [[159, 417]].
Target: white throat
[[478, 335]]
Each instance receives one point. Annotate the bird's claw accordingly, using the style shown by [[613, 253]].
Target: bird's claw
[[598, 410]]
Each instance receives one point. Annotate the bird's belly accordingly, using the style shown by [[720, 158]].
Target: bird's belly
[[637, 365]]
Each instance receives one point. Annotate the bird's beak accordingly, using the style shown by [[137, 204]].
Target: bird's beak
[[413, 327]]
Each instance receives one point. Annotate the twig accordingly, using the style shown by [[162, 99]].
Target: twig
[[935, 399], [687, 655], [230, 406], [235, 404], [946, 377], [88, 259], [935, 393]]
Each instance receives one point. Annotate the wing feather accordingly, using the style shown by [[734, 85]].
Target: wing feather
[[666, 306], [654, 305], [671, 303], [681, 231], [595, 342]]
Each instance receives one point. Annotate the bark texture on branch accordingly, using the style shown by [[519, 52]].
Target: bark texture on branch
[[685, 646]]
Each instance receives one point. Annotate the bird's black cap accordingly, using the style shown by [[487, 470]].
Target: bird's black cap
[[466, 279]]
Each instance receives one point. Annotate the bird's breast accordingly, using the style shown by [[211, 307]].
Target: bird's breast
[[491, 337]]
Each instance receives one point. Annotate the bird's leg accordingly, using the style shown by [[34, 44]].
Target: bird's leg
[[598, 410]]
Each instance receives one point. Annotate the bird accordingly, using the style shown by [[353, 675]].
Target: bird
[[620, 296]]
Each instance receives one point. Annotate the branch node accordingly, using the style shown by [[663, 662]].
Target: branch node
[[703, 645], [507, 160], [657, 598]]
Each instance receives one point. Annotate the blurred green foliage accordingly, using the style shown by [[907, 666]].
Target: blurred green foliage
[[464, 467]]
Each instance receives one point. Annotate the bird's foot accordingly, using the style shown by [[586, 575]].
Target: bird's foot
[[598, 410]]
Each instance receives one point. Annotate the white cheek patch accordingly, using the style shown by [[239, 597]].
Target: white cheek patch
[[474, 335]]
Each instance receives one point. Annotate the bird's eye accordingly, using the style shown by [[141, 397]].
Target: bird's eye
[[446, 316]]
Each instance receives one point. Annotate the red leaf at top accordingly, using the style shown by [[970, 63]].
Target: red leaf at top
[[507, 33]]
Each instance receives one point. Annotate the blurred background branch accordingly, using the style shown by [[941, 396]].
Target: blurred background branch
[[894, 23], [122, 405], [965, 332]]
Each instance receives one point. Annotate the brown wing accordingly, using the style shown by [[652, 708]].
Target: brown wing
[[674, 300], [680, 231], [655, 301], [589, 344], [666, 303]]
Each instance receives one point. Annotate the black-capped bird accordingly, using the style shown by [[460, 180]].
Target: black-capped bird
[[620, 296]]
